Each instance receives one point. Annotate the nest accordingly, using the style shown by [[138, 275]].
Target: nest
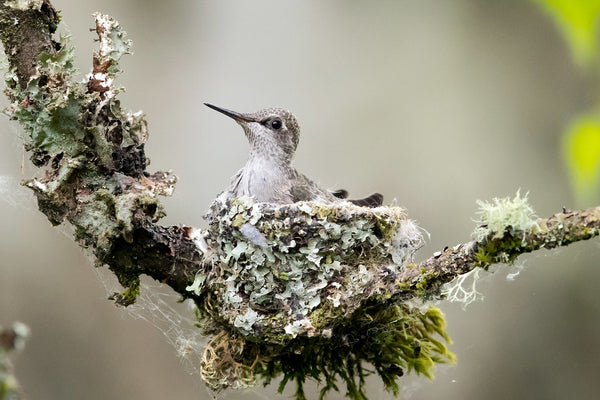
[[288, 270]]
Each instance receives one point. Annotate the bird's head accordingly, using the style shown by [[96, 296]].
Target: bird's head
[[272, 132]]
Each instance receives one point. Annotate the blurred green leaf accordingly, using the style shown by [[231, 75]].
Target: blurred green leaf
[[581, 148], [578, 22]]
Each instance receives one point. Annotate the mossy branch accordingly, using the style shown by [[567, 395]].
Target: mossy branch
[[301, 290], [503, 247]]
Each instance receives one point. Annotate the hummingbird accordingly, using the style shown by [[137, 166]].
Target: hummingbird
[[268, 175]]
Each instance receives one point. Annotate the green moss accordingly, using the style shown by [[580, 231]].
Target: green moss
[[129, 296], [322, 316], [482, 258], [503, 249], [427, 283], [392, 339], [386, 228]]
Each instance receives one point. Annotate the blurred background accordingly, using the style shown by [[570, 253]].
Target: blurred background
[[435, 104]]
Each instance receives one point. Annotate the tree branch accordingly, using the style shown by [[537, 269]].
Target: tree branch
[[301, 290], [36, 22], [504, 247]]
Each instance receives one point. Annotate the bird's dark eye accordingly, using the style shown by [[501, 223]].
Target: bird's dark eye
[[276, 123]]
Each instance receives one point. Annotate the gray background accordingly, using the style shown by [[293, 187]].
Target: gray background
[[434, 103]]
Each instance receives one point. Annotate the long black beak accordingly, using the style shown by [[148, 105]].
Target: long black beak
[[233, 114]]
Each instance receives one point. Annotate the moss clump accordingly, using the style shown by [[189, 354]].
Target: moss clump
[[129, 296], [504, 250], [381, 339]]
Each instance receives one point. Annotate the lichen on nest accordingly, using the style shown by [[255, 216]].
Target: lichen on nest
[[303, 290], [288, 270]]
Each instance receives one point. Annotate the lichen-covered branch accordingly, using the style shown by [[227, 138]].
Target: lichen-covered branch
[[301, 290], [91, 149], [501, 243], [26, 30]]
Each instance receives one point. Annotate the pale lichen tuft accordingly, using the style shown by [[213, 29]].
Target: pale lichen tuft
[[495, 217]]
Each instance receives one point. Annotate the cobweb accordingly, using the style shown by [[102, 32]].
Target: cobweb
[[158, 305], [13, 194]]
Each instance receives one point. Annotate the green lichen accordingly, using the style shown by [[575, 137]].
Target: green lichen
[[94, 225], [50, 114], [197, 284], [59, 65], [93, 151]]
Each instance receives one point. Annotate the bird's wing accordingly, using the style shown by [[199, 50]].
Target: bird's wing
[[303, 189], [374, 200], [340, 193]]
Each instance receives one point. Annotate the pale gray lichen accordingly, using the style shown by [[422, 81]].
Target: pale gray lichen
[[25, 4], [287, 270], [463, 288], [196, 286], [515, 214], [246, 321], [114, 44]]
